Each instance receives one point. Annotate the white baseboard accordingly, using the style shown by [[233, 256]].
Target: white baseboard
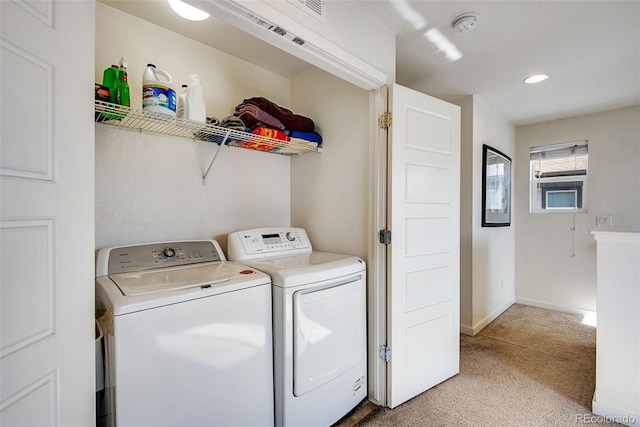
[[466, 330], [614, 415], [473, 330], [552, 306]]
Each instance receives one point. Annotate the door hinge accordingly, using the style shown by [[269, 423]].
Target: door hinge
[[384, 236], [385, 353], [384, 121]]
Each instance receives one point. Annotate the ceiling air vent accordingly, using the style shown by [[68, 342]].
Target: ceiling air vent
[[312, 7]]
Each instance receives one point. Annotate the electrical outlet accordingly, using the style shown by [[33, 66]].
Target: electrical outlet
[[604, 220]]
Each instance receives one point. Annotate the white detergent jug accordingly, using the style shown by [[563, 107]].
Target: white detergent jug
[[158, 94], [194, 104]]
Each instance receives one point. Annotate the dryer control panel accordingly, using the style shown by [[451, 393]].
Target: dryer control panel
[[271, 241]]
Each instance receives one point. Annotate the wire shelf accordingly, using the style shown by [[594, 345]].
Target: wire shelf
[[163, 124]]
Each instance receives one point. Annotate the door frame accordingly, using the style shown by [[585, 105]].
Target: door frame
[[377, 265]]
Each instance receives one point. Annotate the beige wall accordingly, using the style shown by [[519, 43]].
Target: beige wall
[[466, 215], [330, 191], [487, 253], [555, 264]]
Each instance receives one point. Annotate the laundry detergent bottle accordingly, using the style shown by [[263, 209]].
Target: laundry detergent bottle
[[158, 94], [194, 103], [110, 80]]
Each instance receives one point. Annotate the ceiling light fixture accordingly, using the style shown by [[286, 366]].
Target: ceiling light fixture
[[187, 11], [465, 22], [536, 78]]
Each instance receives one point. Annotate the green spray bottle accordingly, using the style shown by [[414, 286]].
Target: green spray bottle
[[122, 95]]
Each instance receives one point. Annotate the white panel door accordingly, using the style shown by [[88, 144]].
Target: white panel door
[[423, 276], [47, 217]]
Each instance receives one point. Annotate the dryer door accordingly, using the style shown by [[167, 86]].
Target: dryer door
[[329, 332]]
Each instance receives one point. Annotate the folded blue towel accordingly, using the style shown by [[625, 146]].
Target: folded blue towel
[[309, 136]]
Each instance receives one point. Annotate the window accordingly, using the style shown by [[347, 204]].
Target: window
[[559, 177], [562, 199]]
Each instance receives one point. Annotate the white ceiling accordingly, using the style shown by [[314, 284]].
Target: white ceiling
[[590, 50]]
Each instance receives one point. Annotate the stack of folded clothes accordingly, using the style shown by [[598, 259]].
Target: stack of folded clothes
[[230, 122], [263, 117]]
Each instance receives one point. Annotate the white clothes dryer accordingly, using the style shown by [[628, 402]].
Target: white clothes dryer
[[319, 324], [188, 336]]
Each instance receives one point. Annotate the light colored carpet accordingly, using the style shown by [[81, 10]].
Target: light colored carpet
[[529, 367]]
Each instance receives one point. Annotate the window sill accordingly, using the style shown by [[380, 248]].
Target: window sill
[[560, 211]]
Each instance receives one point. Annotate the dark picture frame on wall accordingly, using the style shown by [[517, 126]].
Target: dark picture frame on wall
[[496, 188]]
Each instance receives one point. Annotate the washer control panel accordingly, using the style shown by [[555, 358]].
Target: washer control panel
[[125, 259], [272, 241]]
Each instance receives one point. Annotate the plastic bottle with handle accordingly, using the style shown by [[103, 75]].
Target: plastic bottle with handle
[[110, 80], [158, 94], [194, 104]]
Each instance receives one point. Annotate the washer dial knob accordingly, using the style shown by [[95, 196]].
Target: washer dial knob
[[290, 237], [168, 253]]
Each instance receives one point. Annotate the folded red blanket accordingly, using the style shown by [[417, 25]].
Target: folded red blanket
[[270, 133], [256, 145]]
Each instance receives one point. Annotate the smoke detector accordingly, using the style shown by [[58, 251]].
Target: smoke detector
[[465, 22]]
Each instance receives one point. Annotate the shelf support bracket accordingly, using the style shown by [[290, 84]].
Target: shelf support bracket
[[224, 141]]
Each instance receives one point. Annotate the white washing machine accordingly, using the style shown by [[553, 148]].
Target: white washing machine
[[188, 336], [319, 324]]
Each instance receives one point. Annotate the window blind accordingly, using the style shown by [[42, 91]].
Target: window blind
[[559, 150]]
